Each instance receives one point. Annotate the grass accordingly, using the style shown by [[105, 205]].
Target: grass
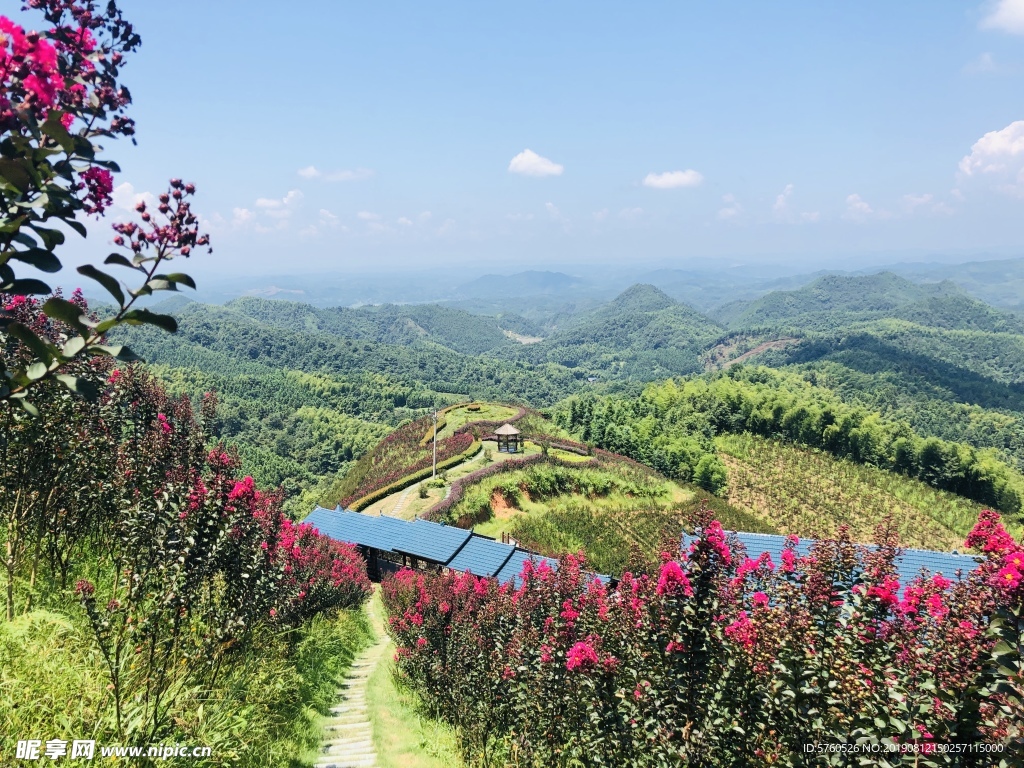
[[810, 493], [265, 712], [610, 511], [414, 505], [461, 415], [403, 736]]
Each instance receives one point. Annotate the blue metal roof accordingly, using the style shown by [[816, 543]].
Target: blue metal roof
[[353, 528], [511, 570], [909, 564], [455, 548], [482, 556], [432, 541]]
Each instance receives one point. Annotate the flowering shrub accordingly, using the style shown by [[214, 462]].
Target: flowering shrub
[[447, 449], [716, 659], [61, 100], [186, 561], [441, 509]]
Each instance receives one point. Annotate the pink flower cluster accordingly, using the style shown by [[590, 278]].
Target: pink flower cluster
[[1006, 565], [179, 233], [29, 78], [581, 656], [704, 620]]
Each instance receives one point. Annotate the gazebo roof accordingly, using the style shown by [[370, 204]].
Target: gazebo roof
[[506, 429]]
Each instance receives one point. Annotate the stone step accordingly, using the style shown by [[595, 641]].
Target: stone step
[[348, 748], [343, 730], [348, 734], [347, 719]]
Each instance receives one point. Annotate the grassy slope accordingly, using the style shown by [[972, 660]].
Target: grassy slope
[[403, 735], [265, 714], [605, 526], [810, 493]]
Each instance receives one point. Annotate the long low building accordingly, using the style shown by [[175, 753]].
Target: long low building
[[389, 544], [910, 563]]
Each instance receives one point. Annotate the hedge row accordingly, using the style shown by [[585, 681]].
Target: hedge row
[[439, 511], [415, 477], [486, 427], [430, 432]]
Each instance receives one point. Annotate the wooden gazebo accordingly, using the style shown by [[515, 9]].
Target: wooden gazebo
[[509, 438]]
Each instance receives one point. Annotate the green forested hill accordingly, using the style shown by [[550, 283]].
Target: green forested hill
[[641, 335], [221, 339], [835, 301], [385, 324], [301, 404], [306, 391]]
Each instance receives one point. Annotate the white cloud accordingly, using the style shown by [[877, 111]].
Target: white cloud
[[529, 163], [673, 179], [405, 222], [519, 216], [995, 151], [557, 215], [280, 208], [810, 216], [241, 215], [1006, 16], [312, 172], [425, 216], [600, 215], [998, 158], [446, 227], [913, 202], [126, 198], [782, 200], [732, 208], [984, 63], [631, 214], [857, 208], [327, 217], [368, 216]]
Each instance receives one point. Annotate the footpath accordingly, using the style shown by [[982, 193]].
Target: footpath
[[348, 734]]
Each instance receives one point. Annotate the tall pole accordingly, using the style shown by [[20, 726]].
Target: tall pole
[[433, 472]]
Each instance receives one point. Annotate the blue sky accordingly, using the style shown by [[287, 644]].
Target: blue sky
[[368, 136]]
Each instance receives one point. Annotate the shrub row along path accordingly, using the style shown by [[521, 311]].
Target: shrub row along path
[[406, 504], [348, 734]]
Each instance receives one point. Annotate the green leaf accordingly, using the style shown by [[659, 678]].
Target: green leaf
[[66, 312], [30, 409], [157, 284], [145, 317], [55, 129], [73, 346], [39, 258], [27, 337], [107, 281], [78, 226], [83, 147], [15, 173], [26, 287], [78, 385], [12, 225], [118, 352], [110, 165], [120, 260], [51, 237], [180, 277], [105, 325], [36, 371]]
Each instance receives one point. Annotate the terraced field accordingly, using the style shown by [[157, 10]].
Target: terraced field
[[810, 493]]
